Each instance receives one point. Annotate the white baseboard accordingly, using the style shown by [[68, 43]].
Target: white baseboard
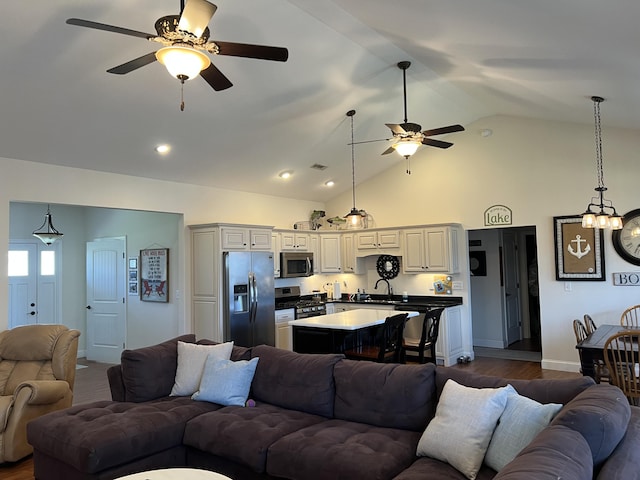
[[82, 353], [561, 366], [488, 343]]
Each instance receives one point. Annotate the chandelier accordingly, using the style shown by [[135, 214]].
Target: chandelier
[[47, 232], [355, 218], [600, 212]]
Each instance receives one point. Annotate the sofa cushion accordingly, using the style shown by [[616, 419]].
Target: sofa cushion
[[149, 373], [191, 360], [520, 422], [338, 449], [295, 380], [426, 468], [460, 432], [556, 453], [540, 390], [624, 462], [226, 382], [237, 353], [244, 434], [385, 395], [101, 435], [601, 414]]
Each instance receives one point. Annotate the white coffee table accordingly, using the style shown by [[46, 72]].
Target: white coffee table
[[175, 474]]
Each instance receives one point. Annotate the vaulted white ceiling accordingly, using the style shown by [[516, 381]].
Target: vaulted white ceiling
[[470, 59]]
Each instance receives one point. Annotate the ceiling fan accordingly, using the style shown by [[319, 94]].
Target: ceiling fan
[[184, 38], [407, 137]]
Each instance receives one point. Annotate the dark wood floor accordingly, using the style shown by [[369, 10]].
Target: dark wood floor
[[92, 385]]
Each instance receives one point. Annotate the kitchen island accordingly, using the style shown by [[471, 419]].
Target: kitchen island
[[336, 332]]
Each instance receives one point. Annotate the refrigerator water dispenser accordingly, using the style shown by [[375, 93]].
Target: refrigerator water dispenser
[[240, 298]]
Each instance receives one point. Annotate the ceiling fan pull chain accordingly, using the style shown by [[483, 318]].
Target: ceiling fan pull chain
[[408, 165], [182, 95]]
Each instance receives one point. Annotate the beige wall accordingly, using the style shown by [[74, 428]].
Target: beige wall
[[539, 170], [33, 182]]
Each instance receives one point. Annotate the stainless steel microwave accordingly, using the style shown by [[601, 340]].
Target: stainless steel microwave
[[296, 264]]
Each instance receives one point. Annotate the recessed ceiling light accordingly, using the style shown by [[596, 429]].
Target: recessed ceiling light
[[329, 183], [286, 174], [162, 149]]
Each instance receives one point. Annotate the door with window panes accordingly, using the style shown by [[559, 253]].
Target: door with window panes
[[34, 293]]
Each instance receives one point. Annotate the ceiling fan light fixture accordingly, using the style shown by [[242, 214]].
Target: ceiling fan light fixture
[[407, 147], [183, 62]]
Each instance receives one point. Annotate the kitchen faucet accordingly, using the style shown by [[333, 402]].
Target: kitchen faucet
[[389, 289]]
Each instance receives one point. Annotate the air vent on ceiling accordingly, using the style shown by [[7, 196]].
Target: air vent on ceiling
[[317, 166]]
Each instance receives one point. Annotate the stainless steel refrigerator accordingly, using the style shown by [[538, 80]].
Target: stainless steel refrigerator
[[249, 317]]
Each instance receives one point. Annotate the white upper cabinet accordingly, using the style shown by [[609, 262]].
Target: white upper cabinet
[[294, 241], [237, 238], [430, 250], [330, 253], [378, 241]]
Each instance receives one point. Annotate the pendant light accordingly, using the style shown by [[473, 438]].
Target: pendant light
[[604, 215], [47, 232], [355, 218]]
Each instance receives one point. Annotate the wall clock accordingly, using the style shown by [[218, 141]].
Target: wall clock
[[627, 241]]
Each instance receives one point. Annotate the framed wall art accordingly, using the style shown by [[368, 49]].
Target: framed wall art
[[154, 275], [579, 251]]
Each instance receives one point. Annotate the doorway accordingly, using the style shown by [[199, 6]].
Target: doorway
[[34, 273], [504, 293]]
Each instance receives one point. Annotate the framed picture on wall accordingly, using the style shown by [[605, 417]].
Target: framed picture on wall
[[154, 275], [579, 251]]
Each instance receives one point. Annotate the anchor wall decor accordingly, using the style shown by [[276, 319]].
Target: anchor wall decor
[[579, 250]]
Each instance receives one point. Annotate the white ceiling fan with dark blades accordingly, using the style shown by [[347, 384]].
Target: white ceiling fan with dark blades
[[185, 44], [407, 137]]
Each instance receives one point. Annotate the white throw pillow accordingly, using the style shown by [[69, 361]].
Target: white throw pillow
[[460, 432], [225, 382], [521, 421], [191, 360]]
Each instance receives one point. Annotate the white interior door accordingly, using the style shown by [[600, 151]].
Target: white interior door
[[106, 308], [512, 319]]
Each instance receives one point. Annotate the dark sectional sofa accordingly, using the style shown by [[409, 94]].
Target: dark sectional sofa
[[320, 417]]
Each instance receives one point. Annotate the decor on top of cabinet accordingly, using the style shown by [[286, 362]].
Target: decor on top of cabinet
[[315, 217], [154, 275], [579, 250], [388, 266]]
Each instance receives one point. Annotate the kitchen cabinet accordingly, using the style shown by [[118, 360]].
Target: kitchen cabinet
[[430, 250], [275, 244], [241, 238], [350, 263], [381, 241], [283, 330], [450, 343], [314, 247], [294, 241], [330, 253], [205, 265]]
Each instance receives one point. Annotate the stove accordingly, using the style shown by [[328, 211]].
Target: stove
[[305, 306]]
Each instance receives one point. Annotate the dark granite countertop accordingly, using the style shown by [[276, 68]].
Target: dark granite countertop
[[417, 301]]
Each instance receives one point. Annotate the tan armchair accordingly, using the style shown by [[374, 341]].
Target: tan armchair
[[37, 373]]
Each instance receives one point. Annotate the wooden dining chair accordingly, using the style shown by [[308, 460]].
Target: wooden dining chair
[[428, 338], [621, 358], [386, 345], [579, 330], [631, 317], [589, 324]]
